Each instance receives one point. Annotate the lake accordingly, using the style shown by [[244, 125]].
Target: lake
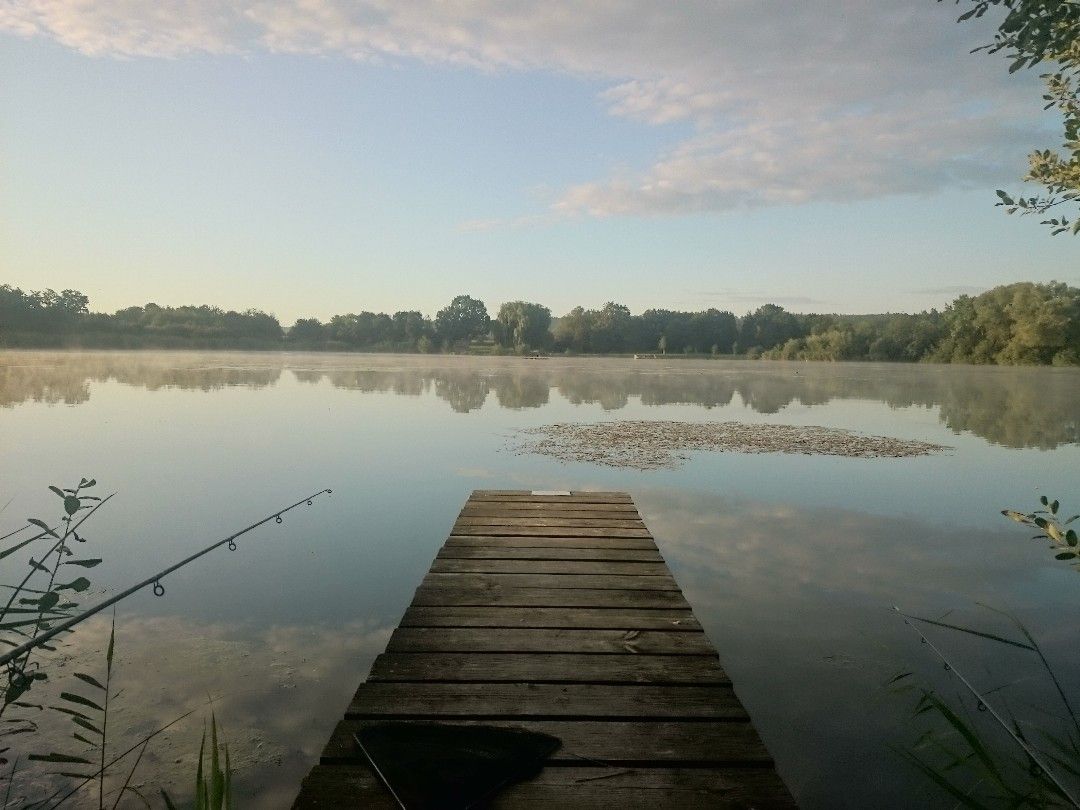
[[791, 562]]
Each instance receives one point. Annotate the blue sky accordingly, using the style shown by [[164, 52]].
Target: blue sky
[[309, 157]]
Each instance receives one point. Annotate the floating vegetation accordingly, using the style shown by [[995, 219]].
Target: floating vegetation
[[645, 445]]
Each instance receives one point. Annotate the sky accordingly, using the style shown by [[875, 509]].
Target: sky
[[312, 157]]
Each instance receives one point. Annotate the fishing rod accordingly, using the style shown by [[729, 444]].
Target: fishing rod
[[984, 704], [155, 581]]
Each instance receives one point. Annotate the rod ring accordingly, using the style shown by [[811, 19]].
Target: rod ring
[[159, 589], [17, 677], [232, 545], [278, 519]]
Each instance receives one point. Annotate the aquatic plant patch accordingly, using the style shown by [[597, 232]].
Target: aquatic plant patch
[[648, 445]]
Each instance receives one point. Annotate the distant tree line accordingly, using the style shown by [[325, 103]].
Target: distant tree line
[[1018, 324]]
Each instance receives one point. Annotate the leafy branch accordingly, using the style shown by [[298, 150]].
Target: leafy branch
[[1050, 527], [1036, 32]]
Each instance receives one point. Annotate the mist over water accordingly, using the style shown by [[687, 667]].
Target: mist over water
[[791, 562]]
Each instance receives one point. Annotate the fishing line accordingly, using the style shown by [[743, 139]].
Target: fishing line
[[154, 580], [984, 705]]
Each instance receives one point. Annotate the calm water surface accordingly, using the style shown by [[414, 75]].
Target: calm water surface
[[791, 562]]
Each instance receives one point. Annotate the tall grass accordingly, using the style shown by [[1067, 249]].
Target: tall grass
[[964, 745], [42, 596]]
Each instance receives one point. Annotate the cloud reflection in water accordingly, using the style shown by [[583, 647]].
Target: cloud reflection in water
[[276, 691], [798, 603]]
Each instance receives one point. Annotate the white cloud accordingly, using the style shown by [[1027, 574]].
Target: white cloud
[[790, 102]]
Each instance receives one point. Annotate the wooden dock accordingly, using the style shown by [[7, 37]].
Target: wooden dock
[[557, 613]]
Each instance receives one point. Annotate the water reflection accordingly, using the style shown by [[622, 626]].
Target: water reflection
[[63, 377], [1014, 407], [798, 603], [276, 691]]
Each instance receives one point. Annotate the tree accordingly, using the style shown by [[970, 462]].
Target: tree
[[521, 325], [410, 326], [462, 320], [611, 328], [574, 330], [1045, 32], [1017, 324], [307, 330], [767, 327]]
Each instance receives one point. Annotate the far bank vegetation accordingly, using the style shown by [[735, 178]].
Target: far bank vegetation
[[1025, 323]]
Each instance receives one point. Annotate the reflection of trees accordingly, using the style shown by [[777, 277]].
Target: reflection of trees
[[1016, 407], [521, 391], [65, 377], [1029, 415], [464, 392]]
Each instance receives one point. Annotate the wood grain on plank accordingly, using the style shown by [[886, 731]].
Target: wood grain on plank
[[578, 786], [551, 668], [600, 618], [706, 742], [504, 520], [527, 493], [488, 541], [552, 499], [441, 565], [513, 553], [619, 582], [553, 509], [545, 700], [549, 531], [545, 640], [506, 596]]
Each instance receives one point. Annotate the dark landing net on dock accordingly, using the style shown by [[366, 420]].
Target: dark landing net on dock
[[554, 613], [428, 766]]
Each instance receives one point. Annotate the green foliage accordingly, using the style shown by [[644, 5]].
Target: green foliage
[[1036, 33], [51, 318], [1051, 526], [1017, 324], [969, 755], [462, 320], [521, 326], [37, 601], [213, 790]]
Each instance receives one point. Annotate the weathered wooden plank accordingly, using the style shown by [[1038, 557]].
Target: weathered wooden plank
[[505, 520], [551, 509], [629, 743], [545, 640], [576, 495], [583, 788], [600, 618], [548, 531], [558, 553], [619, 582], [486, 514], [551, 668], [505, 596], [488, 541], [441, 565], [545, 701], [579, 498], [558, 614]]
